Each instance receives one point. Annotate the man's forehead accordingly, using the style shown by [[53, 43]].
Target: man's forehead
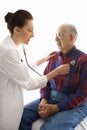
[[61, 29]]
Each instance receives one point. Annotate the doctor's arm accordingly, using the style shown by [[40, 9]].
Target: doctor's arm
[[16, 71], [48, 57]]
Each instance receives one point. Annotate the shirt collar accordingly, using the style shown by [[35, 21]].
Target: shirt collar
[[69, 53]]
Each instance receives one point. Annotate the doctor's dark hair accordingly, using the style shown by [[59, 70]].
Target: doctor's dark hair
[[18, 18]]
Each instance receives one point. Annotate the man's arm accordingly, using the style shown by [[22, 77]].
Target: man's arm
[[45, 91], [80, 95]]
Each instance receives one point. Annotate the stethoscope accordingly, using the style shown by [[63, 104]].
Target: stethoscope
[[28, 63], [72, 62]]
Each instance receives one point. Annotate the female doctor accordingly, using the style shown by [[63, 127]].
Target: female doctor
[[14, 75]]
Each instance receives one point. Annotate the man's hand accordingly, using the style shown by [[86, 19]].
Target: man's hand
[[41, 104], [46, 110]]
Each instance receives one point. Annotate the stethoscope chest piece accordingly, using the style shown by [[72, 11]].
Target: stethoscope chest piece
[[72, 62]]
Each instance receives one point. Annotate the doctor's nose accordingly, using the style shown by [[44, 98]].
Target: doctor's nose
[[32, 34]]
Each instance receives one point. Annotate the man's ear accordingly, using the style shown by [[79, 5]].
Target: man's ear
[[72, 38]]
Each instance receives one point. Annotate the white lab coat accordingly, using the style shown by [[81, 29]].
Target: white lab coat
[[14, 76]]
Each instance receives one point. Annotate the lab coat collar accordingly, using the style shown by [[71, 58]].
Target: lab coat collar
[[10, 41]]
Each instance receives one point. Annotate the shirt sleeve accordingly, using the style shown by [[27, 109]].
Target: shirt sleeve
[[45, 91], [80, 95], [15, 70]]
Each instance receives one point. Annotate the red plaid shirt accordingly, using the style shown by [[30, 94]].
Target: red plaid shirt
[[74, 84]]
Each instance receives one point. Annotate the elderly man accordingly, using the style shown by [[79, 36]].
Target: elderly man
[[63, 102]]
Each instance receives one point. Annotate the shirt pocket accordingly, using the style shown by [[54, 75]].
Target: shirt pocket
[[71, 83]]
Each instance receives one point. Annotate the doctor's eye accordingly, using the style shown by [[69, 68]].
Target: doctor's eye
[[30, 30]]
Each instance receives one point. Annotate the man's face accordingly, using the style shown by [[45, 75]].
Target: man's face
[[63, 39]]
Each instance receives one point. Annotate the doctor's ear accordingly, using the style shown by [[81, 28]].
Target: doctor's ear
[[17, 30]]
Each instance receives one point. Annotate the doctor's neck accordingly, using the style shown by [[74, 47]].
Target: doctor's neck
[[16, 40]]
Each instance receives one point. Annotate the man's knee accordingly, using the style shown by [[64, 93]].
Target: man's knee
[[37, 124]]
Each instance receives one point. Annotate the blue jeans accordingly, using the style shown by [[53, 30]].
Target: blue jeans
[[64, 120]]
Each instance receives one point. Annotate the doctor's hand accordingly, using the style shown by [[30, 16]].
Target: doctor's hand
[[47, 109], [60, 70], [50, 55], [63, 69], [42, 60]]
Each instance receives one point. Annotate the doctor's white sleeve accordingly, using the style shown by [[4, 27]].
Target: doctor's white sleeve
[[16, 71]]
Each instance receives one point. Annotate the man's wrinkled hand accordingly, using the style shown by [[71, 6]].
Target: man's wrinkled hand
[[45, 110]]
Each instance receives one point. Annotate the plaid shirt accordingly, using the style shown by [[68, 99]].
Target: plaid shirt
[[74, 84]]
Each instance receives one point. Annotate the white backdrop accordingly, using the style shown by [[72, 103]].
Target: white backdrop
[[48, 15]]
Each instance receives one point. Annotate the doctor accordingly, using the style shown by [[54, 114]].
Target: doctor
[[14, 75]]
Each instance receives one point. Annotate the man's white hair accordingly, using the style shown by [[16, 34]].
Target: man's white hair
[[71, 29]]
